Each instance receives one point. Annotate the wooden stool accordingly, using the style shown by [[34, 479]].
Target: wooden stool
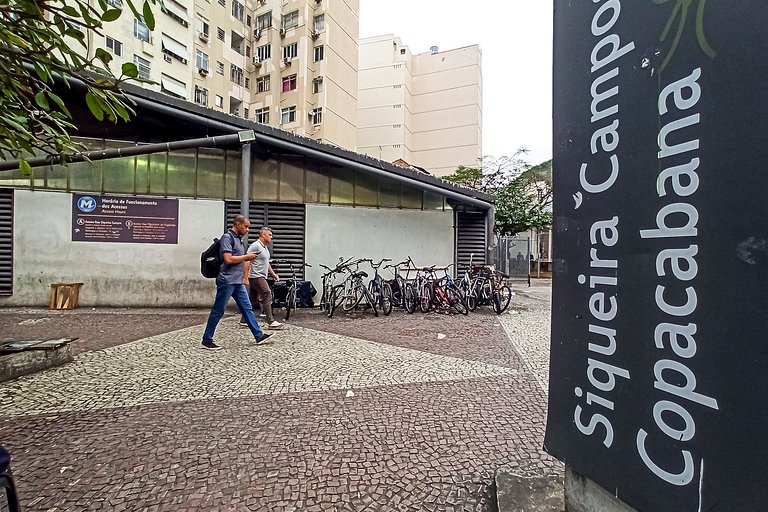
[[64, 295]]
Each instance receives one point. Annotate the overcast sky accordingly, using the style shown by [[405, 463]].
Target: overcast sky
[[515, 37]]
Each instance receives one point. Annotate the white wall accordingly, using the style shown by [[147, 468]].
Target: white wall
[[116, 274], [334, 231]]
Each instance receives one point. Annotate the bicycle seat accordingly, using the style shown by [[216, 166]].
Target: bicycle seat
[[360, 274]]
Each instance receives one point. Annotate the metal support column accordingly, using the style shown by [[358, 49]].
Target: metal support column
[[245, 182]]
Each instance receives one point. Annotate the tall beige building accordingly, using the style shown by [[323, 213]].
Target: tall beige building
[[425, 109], [291, 64]]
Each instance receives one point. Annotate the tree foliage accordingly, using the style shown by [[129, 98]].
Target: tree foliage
[[42, 42], [523, 193]]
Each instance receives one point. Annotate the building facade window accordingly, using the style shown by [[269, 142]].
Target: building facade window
[[220, 33], [290, 51], [288, 115], [116, 3], [317, 115], [262, 83], [141, 31], [203, 28], [245, 112], [291, 19], [264, 21], [236, 74], [176, 11], [238, 10], [143, 67], [317, 85], [201, 96], [248, 20], [201, 60], [261, 115], [170, 85], [319, 23], [289, 83], [264, 52], [114, 46], [318, 53], [247, 84], [219, 101], [223, 3], [220, 67]]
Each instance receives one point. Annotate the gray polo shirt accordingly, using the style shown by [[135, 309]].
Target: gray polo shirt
[[232, 243], [260, 266]]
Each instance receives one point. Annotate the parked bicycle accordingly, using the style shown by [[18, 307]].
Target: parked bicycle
[[329, 299], [291, 298], [381, 292]]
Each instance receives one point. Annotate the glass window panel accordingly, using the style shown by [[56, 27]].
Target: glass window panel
[[411, 198], [15, 178], [291, 180], [366, 189], [264, 180], [119, 175], [56, 177], [317, 186], [233, 175], [157, 173], [389, 193], [85, 176], [433, 201], [142, 174], [342, 186], [210, 173], [181, 173]]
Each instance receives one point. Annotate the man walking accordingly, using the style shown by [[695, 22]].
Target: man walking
[[256, 279], [229, 283]]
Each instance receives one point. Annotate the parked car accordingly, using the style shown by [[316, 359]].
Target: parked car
[[9, 501]]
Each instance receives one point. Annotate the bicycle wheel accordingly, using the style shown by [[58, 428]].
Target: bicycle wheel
[[371, 302], [501, 299], [425, 299], [290, 302], [326, 302], [410, 299], [385, 301], [352, 299], [455, 300]]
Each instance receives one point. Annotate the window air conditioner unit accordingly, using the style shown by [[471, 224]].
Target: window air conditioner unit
[[202, 71], [282, 32], [287, 61], [256, 33], [167, 58], [256, 62], [314, 34], [203, 37]]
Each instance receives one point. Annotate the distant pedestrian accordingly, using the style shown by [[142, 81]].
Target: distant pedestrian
[[229, 283], [256, 276]]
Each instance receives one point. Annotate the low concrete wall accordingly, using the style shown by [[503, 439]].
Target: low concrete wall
[[584, 495], [31, 361]]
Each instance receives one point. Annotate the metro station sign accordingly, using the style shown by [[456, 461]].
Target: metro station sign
[[659, 359]]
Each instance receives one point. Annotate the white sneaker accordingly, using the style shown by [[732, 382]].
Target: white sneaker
[[275, 325]]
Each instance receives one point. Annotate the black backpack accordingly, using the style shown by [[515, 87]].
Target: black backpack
[[211, 260]]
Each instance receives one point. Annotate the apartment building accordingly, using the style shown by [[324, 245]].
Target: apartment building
[[291, 64], [425, 109]]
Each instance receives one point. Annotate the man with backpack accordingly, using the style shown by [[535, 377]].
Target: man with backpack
[[229, 283]]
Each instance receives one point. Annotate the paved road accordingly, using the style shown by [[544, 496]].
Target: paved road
[[350, 413]]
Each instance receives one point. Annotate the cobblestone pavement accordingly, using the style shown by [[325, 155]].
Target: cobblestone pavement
[[349, 413]]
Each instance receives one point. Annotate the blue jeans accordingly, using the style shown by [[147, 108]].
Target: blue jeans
[[238, 292]]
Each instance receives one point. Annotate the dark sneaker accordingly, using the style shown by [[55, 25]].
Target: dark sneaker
[[264, 339], [211, 345]]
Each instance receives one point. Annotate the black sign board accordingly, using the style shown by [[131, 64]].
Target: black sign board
[[659, 367], [130, 219]]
